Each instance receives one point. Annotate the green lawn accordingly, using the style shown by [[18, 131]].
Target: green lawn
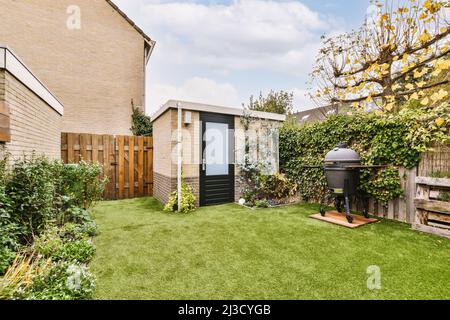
[[230, 252]]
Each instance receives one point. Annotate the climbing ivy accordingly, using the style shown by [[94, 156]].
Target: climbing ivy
[[395, 139], [141, 124]]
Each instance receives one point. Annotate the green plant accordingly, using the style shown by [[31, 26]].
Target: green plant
[[66, 243], [73, 231], [384, 185], [77, 250], [80, 185], [275, 102], [62, 281], [48, 242], [31, 190], [25, 267], [262, 204], [440, 174], [141, 123], [277, 187], [187, 200], [394, 139]]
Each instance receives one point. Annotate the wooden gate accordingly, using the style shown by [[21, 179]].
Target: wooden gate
[[127, 161]]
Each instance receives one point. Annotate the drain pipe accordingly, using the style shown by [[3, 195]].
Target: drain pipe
[[180, 153]]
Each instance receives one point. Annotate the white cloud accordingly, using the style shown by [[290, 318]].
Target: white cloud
[[301, 100], [196, 90], [220, 53], [250, 34]]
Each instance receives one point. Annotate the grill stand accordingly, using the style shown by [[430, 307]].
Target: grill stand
[[342, 202]]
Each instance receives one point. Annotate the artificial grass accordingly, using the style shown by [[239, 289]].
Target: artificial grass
[[230, 252]]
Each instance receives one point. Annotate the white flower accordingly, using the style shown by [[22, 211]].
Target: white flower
[[241, 202]]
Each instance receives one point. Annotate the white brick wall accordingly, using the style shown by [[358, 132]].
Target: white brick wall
[[35, 126]]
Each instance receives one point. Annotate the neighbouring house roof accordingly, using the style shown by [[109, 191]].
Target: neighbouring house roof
[[151, 43], [318, 114], [192, 106], [10, 62], [321, 113]]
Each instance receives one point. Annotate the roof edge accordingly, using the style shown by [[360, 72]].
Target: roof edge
[[131, 22], [10, 62], [201, 107]]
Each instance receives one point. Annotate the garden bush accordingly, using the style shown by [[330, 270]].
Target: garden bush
[[260, 189], [62, 281], [187, 200], [31, 189], [79, 184]]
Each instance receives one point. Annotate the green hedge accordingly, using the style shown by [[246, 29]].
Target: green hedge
[[395, 139]]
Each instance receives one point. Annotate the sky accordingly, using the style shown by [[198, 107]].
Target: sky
[[223, 51]]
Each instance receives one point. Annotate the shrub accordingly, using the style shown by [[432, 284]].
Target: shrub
[[72, 231], [48, 242], [63, 281], [262, 204], [8, 229], [78, 250], [187, 200], [7, 256], [141, 123], [277, 187], [64, 244], [380, 139]]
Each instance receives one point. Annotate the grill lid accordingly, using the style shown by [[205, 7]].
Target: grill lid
[[342, 154]]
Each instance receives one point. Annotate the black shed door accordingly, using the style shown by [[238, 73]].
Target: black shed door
[[217, 167]]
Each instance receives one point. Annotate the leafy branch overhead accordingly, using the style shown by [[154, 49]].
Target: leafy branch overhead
[[401, 53], [275, 102]]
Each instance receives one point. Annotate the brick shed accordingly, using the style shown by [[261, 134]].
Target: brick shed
[[30, 115], [213, 146]]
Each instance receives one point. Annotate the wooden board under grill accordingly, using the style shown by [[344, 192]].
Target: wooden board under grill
[[340, 219]]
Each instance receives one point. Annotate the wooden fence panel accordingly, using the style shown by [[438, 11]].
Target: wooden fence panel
[[435, 161], [127, 161]]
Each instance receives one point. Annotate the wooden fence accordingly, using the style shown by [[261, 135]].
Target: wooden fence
[[127, 161], [404, 209], [401, 209]]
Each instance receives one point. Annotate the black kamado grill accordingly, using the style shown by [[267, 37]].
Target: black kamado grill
[[342, 166]]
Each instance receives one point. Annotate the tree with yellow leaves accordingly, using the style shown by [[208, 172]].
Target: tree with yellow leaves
[[401, 53]]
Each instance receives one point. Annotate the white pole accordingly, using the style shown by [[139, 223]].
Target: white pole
[[180, 152]]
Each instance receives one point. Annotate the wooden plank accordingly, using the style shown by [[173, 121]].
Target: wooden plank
[[64, 150], [149, 166], [108, 194], [131, 166], [70, 143], [337, 218], [113, 165], [432, 205], [410, 192], [141, 165], [439, 217], [391, 210], [433, 182], [84, 138], [95, 148], [433, 230], [121, 165], [402, 202]]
